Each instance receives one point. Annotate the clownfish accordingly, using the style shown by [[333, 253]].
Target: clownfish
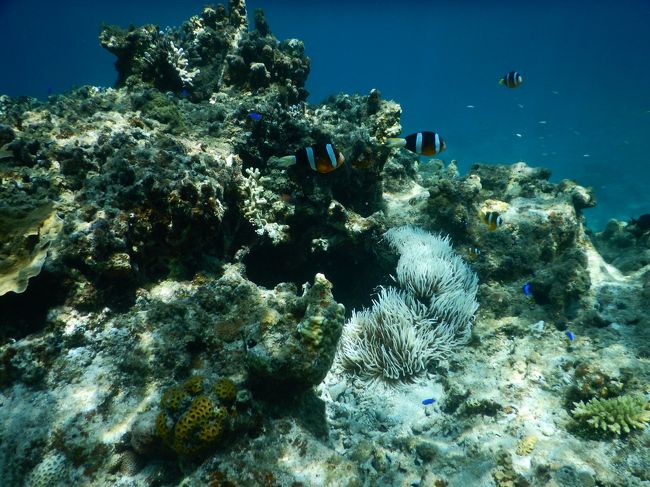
[[423, 143], [322, 158], [493, 220], [474, 251], [512, 79]]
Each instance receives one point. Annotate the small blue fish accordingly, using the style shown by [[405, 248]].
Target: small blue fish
[[426, 402], [185, 93], [528, 290], [569, 335], [49, 90], [255, 116]]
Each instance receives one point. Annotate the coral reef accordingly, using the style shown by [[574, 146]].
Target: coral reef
[[153, 327], [616, 415]]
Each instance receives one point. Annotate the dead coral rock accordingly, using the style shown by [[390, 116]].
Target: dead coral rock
[[211, 51], [622, 247], [293, 345], [542, 230]]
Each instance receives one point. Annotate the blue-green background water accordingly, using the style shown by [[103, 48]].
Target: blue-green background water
[[583, 110]]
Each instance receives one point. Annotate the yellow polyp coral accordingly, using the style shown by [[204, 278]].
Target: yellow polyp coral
[[173, 397], [193, 416], [226, 390], [616, 415], [194, 384], [210, 433], [202, 408]]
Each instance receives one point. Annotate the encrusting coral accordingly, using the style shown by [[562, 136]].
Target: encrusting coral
[[25, 238], [616, 415]]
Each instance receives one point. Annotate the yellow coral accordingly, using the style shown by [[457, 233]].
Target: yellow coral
[[526, 445], [198, 423], [172, 398], [226, 390], [202, 408], [210, 433], [312, 328], [194, 384]]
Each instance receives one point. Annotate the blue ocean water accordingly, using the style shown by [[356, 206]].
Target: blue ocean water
[[583, 110]]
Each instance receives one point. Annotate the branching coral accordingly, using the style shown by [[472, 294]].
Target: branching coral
[[165, 60], [258, 209], [615, 415], [425, 320]]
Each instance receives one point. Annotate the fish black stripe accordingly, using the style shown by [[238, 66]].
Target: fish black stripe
[[410, 142], [301, 156], [428, 140]]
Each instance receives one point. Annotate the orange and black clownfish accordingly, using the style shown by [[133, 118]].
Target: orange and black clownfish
[[512, 79], [493, 220], [423, 143], [322, 158]]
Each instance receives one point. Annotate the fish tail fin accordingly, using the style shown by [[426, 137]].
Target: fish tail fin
[[285, 161], [502, 82], [396, 142]]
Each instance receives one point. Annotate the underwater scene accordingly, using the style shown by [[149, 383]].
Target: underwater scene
[[296, 244]]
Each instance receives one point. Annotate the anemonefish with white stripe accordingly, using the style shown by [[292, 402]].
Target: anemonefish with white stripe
[[423, 143], [512, 79], [493, 220], [322, 158]]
